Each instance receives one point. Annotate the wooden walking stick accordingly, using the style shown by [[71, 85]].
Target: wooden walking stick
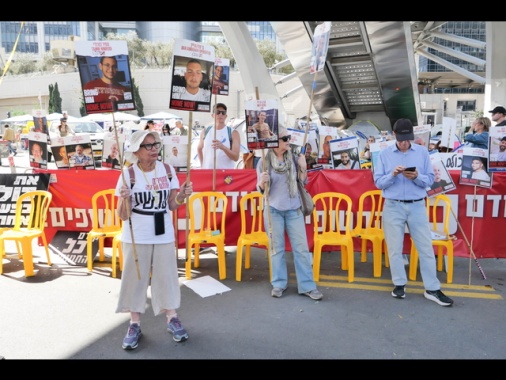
[[214, 138], [266, 194], [467, 241], [303, 150], [187, 181], [122, 163]]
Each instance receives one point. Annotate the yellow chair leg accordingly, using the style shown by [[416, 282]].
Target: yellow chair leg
[[317, 255], [222, 266], [89, 253], [413, 264], [188, 266], [348, 252], [238, 262], [27, 257]]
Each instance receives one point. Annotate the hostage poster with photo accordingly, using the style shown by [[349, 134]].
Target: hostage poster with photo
[[175, 152], [376, 148], [422, 134], [443, 181], [112, 151], [79, 152], [326, 134], [262, 123], [106, 81], [320, 47], [497, 149], [221, 76], [474, 167], [38, 146], [345, 153], [192, 71]]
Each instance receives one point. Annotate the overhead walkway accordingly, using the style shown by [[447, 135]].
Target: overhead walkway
[[370, 71]]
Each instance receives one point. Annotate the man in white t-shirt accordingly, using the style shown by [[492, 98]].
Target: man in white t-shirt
[[226, 151]]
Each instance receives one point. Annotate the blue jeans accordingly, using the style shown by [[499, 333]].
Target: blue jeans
[[292, 222], [11, 147], [396, 215]]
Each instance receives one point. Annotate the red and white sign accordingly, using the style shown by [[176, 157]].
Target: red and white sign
[[481, 215]]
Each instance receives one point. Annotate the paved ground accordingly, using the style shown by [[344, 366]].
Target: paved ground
[[65, 312]]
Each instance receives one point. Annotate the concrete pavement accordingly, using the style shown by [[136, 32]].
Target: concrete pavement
[[66, 312]]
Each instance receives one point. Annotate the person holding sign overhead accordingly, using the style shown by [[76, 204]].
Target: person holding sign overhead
[[226, 146]]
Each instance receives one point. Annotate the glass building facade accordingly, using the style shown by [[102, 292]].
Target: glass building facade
[[36, 36], [475, 30]]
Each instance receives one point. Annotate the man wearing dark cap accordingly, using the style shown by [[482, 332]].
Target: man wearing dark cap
[[403, 172], [499, 115]]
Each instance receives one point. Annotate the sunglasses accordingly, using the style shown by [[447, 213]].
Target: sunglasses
[[285, 138], [150, 146], [221, 112]]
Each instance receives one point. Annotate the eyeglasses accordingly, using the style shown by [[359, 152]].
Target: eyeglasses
[[150, 146], [221, 112], [285, 138]]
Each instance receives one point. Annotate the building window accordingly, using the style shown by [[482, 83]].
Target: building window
[[466, 105]]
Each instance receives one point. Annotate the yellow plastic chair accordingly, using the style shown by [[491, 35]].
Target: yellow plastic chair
[[207, 212], [332, 211], [438, 217], [105, 223], [27, 228], [368, 229], [252, 233], [117, 252]]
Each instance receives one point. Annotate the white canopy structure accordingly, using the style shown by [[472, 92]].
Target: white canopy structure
[[118, 116], [161, 116]]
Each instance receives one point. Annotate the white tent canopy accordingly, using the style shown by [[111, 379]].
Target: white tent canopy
[[58, 116], [18, 119], [118, 116], [161, 116]]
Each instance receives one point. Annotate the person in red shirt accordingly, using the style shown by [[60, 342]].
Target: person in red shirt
[[106, 88]]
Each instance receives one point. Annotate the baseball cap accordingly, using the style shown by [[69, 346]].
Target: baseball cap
[[498, 109], [135, 143], [403, 129], [63, 119], [219, 105]]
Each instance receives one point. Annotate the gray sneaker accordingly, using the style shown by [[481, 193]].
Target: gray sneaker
[[131, 340], [177, 330], [277, 292], [314, 294]]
